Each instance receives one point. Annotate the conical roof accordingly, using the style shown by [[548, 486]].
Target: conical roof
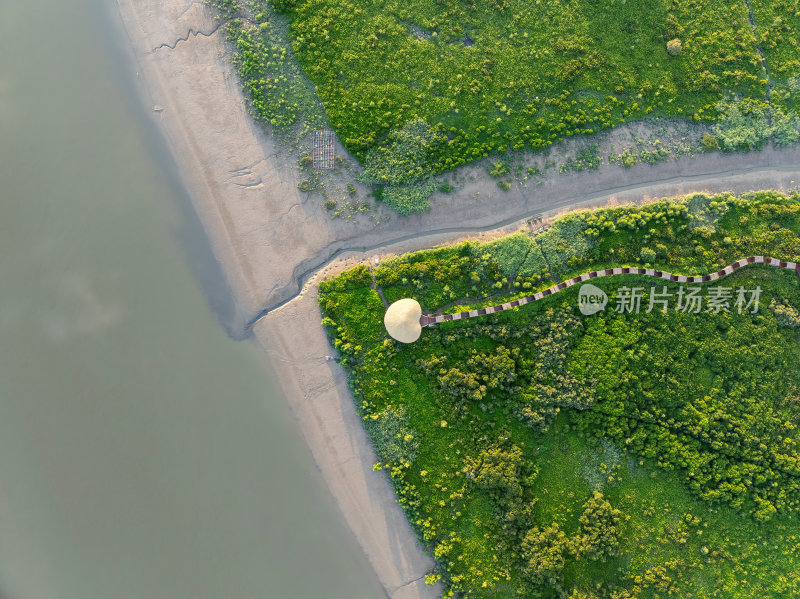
[[402, 320]]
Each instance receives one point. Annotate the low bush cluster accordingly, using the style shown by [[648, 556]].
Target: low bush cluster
[[280, 93], [395, 441], [785, 314], [749, 124]]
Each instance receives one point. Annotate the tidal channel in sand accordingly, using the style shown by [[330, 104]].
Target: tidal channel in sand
[[142, 452]]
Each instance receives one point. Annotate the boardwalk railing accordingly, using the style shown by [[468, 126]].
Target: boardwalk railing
[[431, 319]]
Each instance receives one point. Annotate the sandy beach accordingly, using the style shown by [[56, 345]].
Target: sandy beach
[[275, 244]]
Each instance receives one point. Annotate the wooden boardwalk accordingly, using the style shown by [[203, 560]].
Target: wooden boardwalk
[[431, 319]]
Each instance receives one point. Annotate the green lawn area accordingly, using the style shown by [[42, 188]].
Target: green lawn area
[[541, 453], [513, 73], [778, 24], [416, 88]]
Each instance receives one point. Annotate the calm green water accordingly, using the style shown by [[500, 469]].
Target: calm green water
[[143, 454]]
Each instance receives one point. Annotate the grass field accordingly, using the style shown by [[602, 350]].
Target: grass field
[[540, 453], [511, 74], [416, 88]]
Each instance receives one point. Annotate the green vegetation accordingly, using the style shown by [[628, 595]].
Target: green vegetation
[[749, 124], [630, 157], [307, 185], [280, 94], [623, 455], [586, 159], [674, 47], [416, 88], [785, 314], [777, 24], [509, 74], [403, 167], [499, 169], [226, 8], [709, 142]]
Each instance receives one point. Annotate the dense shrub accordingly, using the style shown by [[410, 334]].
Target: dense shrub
[[501, 471], [648, 255], [709, 142], [403, 167], [484, 374], [564, 242], [599, 535], [785, 128], [543, 552], [786, 314], [748, 125], [395, 440], [742, 125], [410, 198], [635, 455], [406, 157]]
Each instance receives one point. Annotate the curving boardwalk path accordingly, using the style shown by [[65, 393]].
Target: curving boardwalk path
[[431, 319]]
